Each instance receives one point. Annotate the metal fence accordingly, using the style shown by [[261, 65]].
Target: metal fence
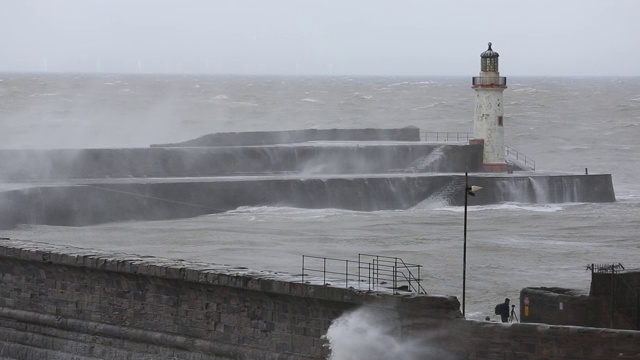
[[519, 158], [457, 136], [605, 268], [448, 136], [370, 272]]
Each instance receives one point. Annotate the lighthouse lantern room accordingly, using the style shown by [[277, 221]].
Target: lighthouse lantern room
[[488, 124]]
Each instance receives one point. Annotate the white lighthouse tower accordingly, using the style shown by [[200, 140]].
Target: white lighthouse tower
[[488, 119]]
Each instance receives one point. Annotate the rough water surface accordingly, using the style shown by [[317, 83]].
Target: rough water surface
[[564, 124]]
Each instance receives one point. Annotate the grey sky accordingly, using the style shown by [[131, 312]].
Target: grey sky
[[339, 37]]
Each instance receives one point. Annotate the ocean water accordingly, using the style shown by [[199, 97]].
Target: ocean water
[[564, 124]]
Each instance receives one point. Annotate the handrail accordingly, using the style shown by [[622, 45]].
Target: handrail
[[369, 270], [447, 136], [520, 158], [399, 263], [458, 136]]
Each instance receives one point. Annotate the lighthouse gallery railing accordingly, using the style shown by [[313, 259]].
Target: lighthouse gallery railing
[[488, 81]]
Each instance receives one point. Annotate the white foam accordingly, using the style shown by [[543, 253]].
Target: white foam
[[369, 334], [44, 94], [423, 83], [510, 206], [628, 197], [439, 103], [312, 100], [290, 212], [400, 83]]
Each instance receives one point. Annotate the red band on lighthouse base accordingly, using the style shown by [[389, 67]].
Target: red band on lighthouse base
[[494, 167]]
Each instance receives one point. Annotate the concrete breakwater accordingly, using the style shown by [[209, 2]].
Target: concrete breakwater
[[63, 302], [355, 169], [301, 159], [408, 133], [86, 202]]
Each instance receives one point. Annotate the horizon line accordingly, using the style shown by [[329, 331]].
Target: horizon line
[[287, 75]]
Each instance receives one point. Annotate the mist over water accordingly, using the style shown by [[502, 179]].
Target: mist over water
[[81, 111], [564, 124]]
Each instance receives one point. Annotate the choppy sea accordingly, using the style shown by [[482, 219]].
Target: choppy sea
[[568, 124]]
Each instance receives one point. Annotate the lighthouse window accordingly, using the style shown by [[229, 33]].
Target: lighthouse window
[[499, 120], [490, 64]]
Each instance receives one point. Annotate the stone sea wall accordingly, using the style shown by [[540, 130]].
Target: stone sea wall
[[61, 302]]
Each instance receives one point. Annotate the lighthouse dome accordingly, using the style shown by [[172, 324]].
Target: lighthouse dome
[[489, 53], [489, 61]]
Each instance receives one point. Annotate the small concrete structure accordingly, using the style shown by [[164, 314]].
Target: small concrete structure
[[613, 302]]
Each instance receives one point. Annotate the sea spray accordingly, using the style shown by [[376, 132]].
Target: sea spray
[[428, 163], [441, 197], [371, 333]]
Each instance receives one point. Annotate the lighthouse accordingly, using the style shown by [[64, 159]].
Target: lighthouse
[[488, 123]]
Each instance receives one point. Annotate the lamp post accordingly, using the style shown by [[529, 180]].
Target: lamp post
[[468, 190]]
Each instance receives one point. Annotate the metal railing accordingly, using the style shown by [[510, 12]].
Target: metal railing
[[519, 158], [372, 272], [489, 81], [458, 136], [605, 268], [449, 136]]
